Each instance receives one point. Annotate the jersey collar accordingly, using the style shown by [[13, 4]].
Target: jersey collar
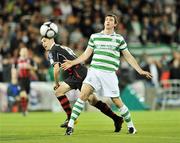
[[102, 32]]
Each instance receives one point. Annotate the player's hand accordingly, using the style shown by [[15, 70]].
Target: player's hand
[[146, 74], [56, 86], [67, 64]]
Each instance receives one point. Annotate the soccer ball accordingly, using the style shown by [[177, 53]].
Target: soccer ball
[[49, 29]]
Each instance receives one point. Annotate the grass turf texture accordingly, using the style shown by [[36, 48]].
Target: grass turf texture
[[92, 127]]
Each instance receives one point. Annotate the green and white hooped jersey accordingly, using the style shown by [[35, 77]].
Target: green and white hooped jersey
[[106, 50]]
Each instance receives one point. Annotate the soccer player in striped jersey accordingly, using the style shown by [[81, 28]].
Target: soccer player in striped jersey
[[74, 78], [101, 77], [23, 67]]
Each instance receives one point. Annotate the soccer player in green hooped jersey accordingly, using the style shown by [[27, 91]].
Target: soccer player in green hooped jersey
[[101, 77]]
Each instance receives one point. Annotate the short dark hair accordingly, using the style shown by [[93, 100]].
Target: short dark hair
[[114, 16]]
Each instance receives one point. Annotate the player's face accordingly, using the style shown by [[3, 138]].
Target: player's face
[[24, 52], [45, 43], [109, 22]]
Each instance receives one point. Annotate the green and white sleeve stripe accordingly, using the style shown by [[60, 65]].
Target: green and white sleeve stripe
[[91, 43]]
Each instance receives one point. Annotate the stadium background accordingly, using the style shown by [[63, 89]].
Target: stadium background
[[152, 31]]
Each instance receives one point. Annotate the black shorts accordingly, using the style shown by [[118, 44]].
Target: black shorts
[[74, 82], [75, 79], [24, 84]]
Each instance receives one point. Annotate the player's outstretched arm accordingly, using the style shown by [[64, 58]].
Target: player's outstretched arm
[[56, 76], [132, 61], [68, 63]]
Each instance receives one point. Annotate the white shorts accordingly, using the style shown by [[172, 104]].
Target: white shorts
[[73, 94], [105, 83]]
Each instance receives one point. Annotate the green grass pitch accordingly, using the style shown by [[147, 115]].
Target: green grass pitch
[[92, 127]]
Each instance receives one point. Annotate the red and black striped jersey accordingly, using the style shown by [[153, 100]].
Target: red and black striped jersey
[[22, 66], [58, 54]]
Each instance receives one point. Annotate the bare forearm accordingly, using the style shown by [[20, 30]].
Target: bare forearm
[[132, 61], [80, 59], [56, 73], [56, 77], [67, 63]]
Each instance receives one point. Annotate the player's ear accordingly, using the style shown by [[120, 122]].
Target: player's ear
[[115, 25]]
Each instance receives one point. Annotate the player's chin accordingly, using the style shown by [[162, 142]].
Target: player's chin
[[46, 47]]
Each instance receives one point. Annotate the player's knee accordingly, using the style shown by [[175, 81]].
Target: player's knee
[[84, 96], [23, 94], [92, 100], [62, 89]]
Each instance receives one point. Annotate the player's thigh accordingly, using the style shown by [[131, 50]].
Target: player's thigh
[[109, 89], [62, 89], [86, 91]]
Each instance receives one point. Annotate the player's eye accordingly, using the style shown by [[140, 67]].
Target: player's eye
[[107, 19]]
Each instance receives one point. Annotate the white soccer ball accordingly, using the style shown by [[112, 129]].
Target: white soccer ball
[[49, 29]]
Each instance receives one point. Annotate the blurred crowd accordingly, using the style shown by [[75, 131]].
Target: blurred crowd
[[161, 69], [140, 22]]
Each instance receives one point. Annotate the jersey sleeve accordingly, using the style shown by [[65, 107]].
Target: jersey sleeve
[[91, 43], [123, 44], [53, 57]]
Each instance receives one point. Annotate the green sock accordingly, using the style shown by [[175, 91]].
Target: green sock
[[77, 108], [126, 115]]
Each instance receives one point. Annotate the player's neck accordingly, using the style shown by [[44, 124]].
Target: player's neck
[[23, 57], [52, 44], [108, 31]]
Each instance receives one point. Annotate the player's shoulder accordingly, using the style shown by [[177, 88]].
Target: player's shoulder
[[118, 36], [64, 47], [55, 47], [94, 35]]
